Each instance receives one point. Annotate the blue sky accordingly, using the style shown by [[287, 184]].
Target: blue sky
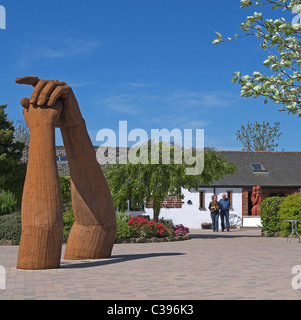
[[148, 62]]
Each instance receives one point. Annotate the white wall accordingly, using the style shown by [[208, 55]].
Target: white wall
[[190, 215]]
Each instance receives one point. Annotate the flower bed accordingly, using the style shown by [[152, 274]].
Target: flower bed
[[153, 239], [142, 230]]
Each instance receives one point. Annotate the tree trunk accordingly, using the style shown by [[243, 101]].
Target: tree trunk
[[156, 208]]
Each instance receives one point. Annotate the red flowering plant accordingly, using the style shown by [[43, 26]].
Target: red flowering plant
[[153, 229], [180, 230], [136, 223], [145, 228], [161, 228]]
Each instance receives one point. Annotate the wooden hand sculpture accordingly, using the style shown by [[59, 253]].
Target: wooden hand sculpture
[[42, 222], [93, 233]]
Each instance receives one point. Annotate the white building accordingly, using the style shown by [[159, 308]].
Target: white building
[[278, 173], [191, 214]]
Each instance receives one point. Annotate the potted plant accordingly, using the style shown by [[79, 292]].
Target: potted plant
[[206, 225]]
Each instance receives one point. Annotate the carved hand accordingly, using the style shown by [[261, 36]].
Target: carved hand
[[46, 93]]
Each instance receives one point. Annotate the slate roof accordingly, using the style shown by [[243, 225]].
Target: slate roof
[[283, 169]]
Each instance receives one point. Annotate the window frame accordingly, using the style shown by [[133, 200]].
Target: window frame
[[202, 205], [258, 170], [230, 197]]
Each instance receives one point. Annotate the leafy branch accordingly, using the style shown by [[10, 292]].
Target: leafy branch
[[282, 83]]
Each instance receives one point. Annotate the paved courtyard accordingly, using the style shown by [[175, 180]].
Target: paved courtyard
[[235, 265]]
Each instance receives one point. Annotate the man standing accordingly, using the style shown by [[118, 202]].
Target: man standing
[[224, 213]]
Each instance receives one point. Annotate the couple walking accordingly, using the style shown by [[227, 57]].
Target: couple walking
[[221, 208]]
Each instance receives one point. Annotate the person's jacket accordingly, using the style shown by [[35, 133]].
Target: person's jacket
[[217, 208], [224, 204]]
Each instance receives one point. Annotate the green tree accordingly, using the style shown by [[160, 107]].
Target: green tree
[[259, 136], [142, 183], [281, 84], [22, 133], [12, 169]]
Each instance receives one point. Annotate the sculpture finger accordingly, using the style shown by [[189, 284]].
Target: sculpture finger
[[37, 90], [59, 92], [47, 91], [28, 80], [25, 103]]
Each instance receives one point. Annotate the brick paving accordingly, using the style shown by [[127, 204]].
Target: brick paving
[[236, 265]]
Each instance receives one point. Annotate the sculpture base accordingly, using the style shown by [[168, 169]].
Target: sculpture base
[[89, 242], [40, 248]]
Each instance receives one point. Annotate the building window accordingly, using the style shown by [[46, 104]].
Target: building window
[[257, 167], [139, 207], [202, 200], [229, 196]]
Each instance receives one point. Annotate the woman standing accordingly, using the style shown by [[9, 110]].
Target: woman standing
[[214, 209]]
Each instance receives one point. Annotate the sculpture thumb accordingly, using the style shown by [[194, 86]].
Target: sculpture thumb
[[25, 103]]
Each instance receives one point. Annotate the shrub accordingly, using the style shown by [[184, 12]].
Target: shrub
[[10, 228], [269, 214], [148, 231], [167, 223], [142, 227], [8, 203], [65, 235], [123, 216], [136, 224], [68, 220], [290, 209], [153, 229], [161, 229], [65, 186], [180, 230], [124, 231]]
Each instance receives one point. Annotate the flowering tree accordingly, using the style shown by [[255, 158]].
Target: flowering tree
[[282, 39]]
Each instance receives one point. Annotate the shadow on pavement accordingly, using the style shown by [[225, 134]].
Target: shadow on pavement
[[115, 259]]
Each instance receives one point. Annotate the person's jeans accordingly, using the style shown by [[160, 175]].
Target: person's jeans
[[214, 218], [225, 216]]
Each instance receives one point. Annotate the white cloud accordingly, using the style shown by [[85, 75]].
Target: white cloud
[[191, 99], [67, 48], [52, 48], [121, 103], [155, 106], [181, 121]]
